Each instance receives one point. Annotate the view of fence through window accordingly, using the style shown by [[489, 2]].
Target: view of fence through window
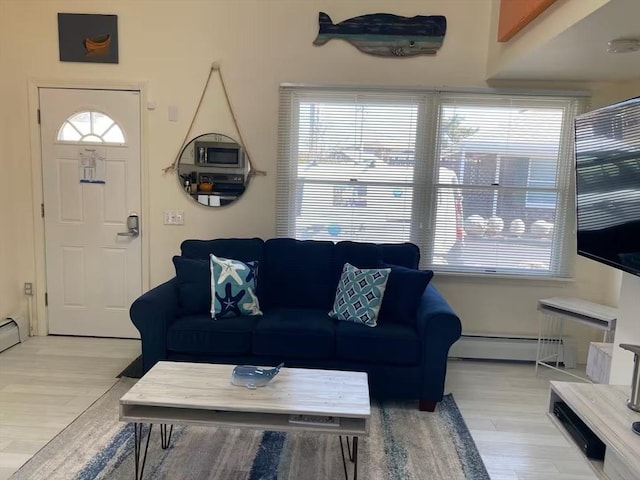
[[506, 163], [479, 183]]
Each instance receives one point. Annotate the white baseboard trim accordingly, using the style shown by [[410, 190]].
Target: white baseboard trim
[[508, 347], [9, 334]]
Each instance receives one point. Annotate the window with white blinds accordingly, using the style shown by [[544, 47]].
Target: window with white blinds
[[480, 182]]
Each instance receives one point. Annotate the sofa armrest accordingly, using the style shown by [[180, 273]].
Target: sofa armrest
[[438, 327], [152, 313]]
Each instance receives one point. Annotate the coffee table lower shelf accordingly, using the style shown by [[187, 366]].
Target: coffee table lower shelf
[[140, 456]]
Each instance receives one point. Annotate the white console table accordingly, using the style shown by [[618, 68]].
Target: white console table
[[603, 409], [554, 312]]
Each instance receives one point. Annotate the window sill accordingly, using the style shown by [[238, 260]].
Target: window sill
[[444, 274]]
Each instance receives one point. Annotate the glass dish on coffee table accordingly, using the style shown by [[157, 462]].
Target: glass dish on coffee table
[[252, 377]]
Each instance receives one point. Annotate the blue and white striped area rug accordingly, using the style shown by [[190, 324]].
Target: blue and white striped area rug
[[403, 443]]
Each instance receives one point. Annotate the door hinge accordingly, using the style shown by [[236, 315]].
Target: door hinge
[[42, 209], [46, 299], [38, 116]]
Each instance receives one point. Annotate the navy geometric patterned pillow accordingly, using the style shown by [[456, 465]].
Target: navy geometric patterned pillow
[[233, 288], [359, 294]]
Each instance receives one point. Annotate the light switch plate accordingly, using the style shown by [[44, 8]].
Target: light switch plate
[[173, 217], [173, 113]]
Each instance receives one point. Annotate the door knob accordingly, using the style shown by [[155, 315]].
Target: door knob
[[133, 226]]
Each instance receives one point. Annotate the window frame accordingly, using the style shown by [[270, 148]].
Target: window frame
[[96, 139], [425, 184]]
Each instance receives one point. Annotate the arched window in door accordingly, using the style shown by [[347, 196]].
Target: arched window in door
[[91, 127]]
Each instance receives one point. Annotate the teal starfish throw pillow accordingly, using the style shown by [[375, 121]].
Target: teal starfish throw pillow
[[359, 294], [233, 288]]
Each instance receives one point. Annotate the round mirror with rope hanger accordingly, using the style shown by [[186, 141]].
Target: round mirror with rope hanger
[[214, 169]]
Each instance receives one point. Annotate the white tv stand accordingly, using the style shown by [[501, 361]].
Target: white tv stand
[[552, 340], [603, 409]]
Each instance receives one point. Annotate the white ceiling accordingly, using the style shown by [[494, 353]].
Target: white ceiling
[[580, 52]]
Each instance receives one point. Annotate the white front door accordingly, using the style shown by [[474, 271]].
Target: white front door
[[90, 142]]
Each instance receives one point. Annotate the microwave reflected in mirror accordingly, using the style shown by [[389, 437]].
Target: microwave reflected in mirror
[[213, 170]]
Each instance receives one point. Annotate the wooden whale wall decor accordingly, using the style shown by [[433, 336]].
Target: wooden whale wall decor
[[385, 34]]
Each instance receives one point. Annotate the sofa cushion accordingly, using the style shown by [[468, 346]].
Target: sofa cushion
[[194, 286], [199, 334], [359, 294], [295, 333], [374, 255], [233, 288], [297, 274], [243, 249], [358, 254], [390, 344], [403, 293], [403, 254]]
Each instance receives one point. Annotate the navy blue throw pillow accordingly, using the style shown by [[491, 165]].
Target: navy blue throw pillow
[[402, 296], [194, 285]]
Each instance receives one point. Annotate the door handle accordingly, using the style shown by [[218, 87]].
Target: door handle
[[133, 226]]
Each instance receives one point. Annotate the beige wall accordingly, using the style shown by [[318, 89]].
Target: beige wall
[[506, 306], [4, 182], [605, 93], [625, 288], [561, 15], [169, 45], [10, 196]]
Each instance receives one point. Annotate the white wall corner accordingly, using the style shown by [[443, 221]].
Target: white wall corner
[[627, 330]]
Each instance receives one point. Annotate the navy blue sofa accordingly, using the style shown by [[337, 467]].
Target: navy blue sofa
[[405, 355]]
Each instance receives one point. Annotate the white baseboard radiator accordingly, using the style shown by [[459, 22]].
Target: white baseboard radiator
[[13, 330], [507, 347]]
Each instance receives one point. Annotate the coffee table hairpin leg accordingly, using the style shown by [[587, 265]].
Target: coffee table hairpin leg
[[138, 436], [165, 440], [352, 452]]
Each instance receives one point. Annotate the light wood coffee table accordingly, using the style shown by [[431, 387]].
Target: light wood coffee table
[[202, 394]]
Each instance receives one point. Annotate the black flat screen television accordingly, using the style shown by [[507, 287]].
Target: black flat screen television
[[607, 149]]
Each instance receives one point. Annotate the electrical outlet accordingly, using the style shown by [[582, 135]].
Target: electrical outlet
[[28, 289], [173, 217]]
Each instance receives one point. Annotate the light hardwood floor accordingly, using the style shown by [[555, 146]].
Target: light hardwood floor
[[505, 404], [47, 382]]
